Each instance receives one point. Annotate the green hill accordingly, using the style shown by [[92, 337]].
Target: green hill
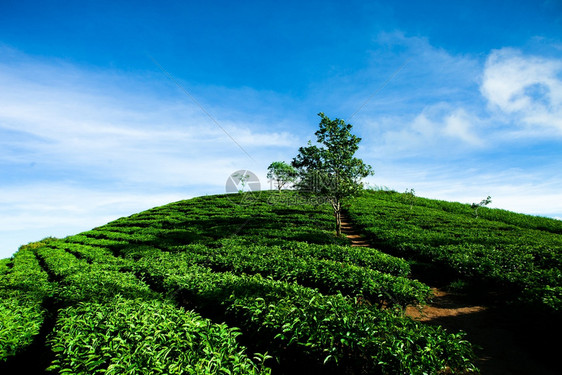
[[258, 283]]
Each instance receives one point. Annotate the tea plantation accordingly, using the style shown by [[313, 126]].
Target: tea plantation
[[257, 283]]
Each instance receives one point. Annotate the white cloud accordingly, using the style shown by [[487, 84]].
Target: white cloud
[[473, 141], [82, 147], [438, 130], [518, 98], [129, 135], [526, 88], [531, 192], [459, 124], [34, 211], [79, 148], [404, 74]]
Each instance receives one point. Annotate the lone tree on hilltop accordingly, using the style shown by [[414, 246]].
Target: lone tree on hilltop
[[282, 173], [483, 202], [331, 171]]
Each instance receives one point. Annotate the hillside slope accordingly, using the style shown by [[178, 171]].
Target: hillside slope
[[200, 286], [495, 274], [519, 255]]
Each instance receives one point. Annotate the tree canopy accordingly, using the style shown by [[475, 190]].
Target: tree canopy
[[281, 173], [331, 169]]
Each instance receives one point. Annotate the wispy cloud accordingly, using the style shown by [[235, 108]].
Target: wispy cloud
[[465, 104], [533, 192], [480, 127], [81, 124], [438, 131], [32, 211], [526, 90], [459, 124], [79, 146]]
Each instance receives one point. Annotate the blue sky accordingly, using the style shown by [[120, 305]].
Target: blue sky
[[455, 99]]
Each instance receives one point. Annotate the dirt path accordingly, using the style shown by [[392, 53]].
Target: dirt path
[[356, 238], [502, 348]]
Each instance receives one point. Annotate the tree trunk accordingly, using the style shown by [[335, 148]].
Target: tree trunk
[[337, 212], [338, 224]]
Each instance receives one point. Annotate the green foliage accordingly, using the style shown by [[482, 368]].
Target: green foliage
[[23, 288], [410, 197], [20, 321], [525, 262], [145, 337], [273, 269], [363, 257], [243, 178], [80, 280], [483, 202], [327, 275], [499, 215], [5, 265], [293, 320], [281, 173], [332, 171]]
